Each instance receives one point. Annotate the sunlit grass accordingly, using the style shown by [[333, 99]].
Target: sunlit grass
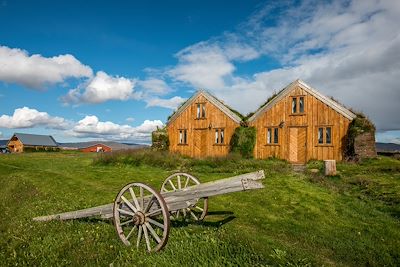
[[297, 220]]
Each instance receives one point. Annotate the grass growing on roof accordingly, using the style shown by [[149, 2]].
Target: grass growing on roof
[[297, 220]]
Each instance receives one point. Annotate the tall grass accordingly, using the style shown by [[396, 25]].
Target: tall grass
[[232, 163]]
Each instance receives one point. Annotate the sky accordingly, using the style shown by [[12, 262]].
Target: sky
[[115, 70]]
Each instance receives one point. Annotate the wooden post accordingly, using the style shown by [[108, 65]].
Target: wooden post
[[330, 167]]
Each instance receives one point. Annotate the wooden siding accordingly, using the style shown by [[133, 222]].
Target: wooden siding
[[200, 136], [316, 114], [15, 145]]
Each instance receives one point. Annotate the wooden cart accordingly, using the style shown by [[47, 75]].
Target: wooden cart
[[140, 210]]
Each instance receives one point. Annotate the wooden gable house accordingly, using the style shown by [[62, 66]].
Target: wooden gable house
[[20, 142], [300, 124], [202, 127]]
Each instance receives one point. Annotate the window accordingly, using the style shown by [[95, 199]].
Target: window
[[325, 139], [219, 136], [301, 104], [183, 137], [294, 105], [273, 135], [201, 111], [298, 104]]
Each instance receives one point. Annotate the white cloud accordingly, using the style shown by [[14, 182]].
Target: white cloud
[[102, 88], [154, 86], [171, 103], [202, 66], [27, 118], [36, 71], [90, 126], [130, 119]]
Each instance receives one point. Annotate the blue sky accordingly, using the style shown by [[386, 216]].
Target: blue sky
[[115, 70]]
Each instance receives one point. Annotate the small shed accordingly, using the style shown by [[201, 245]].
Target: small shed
[[96, 148], [21, 142]]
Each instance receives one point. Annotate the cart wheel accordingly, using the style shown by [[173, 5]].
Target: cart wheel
[[179, 181], [139, 211]]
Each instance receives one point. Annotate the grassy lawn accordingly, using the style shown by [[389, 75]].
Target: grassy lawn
[[299, 219]]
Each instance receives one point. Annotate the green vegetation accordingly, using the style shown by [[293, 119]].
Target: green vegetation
[[243, 141], [159, 139], [361, 124], [299, 219]]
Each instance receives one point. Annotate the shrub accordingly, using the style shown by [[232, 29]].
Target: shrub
[[243, 141]]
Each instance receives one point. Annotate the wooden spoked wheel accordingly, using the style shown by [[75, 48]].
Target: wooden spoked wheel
[[141, 216], [178, 181]]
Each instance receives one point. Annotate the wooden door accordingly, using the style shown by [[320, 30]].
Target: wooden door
[[297, 144], [200, 143]]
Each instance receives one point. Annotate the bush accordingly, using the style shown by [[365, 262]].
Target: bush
[[243, 141], [41, 149]]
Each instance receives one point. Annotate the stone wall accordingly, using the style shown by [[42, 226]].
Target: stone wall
[[364, 145], [160, 140]]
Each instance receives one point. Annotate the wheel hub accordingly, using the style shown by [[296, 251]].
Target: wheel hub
[[139, 218]]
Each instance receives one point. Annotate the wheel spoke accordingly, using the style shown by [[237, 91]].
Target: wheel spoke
[[134, 198], [141, 198], [187, 182], [128, 221], [131, 232], [172, 185], [129, 204], [139, 236], [193, 215], [197, 207], [154, 212], [155, 223], [149, 204], [179, 182], [153, 233], [146, 236], [177, 215], [184, 213], [126, 212]]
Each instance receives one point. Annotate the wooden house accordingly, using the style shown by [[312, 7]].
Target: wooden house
[[202, 127], [300, 124], [20, 142], [96, 148]]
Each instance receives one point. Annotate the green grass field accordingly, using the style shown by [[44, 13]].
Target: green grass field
[[299, 219]]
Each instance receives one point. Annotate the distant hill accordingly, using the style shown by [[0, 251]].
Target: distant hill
[[114, 145], [387, 147]]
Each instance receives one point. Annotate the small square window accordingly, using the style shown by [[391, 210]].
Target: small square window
[[183, 136], [219, 136]]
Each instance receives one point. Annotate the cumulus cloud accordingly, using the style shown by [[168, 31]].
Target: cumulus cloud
[[171, 103], [153, 86], [90, 126], [130, 119], [27, 118], [36, 71], [203, 66], [102, 88]]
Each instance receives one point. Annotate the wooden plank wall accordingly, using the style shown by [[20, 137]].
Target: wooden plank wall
[[316, 114], [18, 146], [198, 131]]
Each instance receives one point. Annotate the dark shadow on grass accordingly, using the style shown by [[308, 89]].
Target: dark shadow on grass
[[208, 220]]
